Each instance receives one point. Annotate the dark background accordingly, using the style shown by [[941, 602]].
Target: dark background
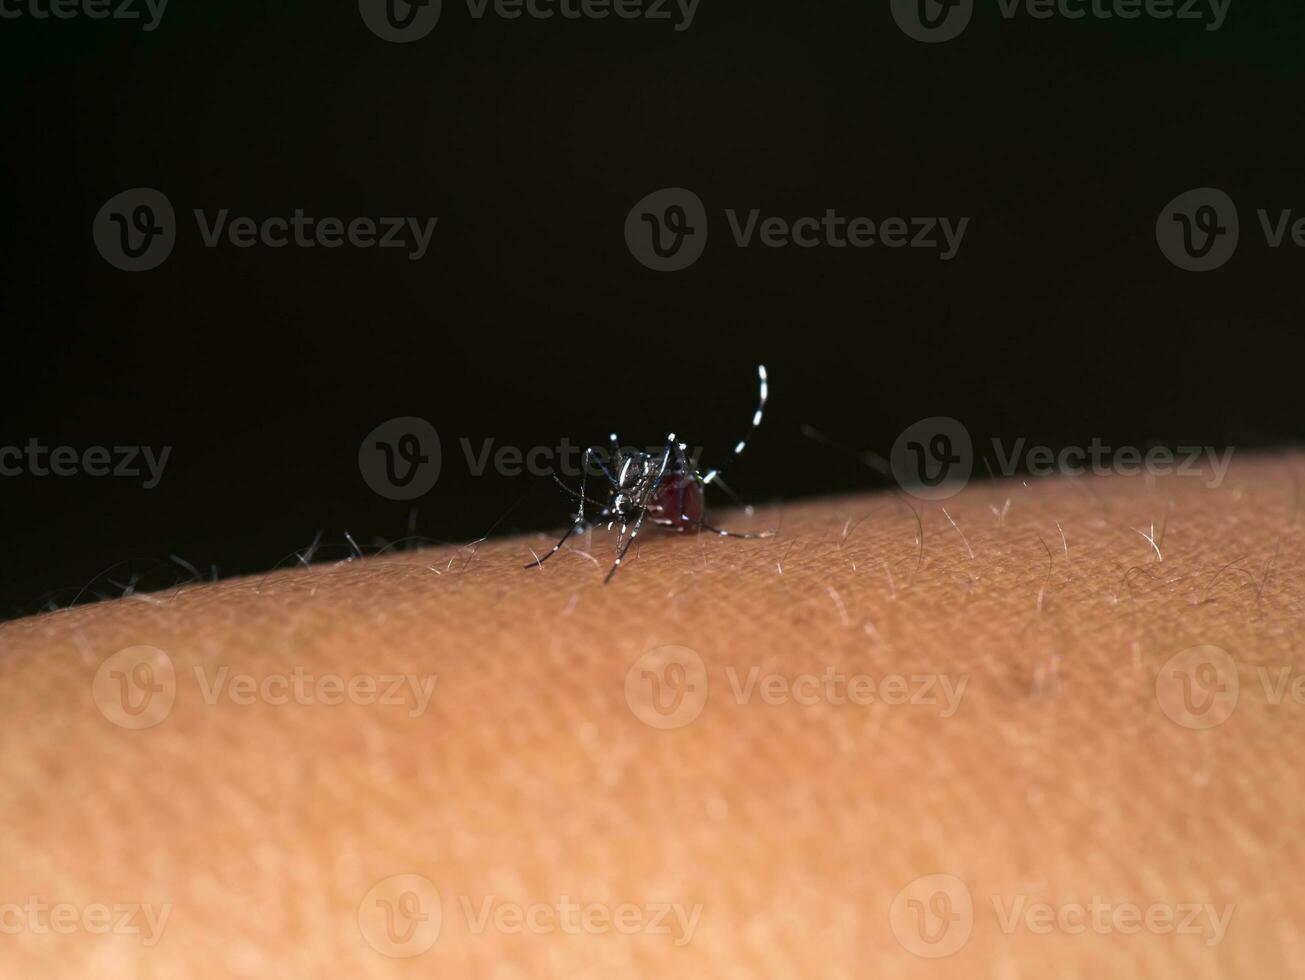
[[529, 320]]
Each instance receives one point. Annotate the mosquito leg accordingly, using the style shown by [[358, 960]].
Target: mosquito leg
[[683, 463], [721, 485], [736, 534], [580, 516], [648, 495], [622, 549], [592, 453], [577, 496], [569, 531]]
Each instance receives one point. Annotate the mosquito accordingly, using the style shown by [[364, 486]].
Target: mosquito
[[662, 487]]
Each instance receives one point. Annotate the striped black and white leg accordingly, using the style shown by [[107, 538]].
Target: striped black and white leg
[[649, 494], [580, 516]]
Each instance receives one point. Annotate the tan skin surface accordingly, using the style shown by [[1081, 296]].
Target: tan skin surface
[[1063, 773]]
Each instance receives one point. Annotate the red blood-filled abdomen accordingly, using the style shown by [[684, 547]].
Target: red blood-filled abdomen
[[679, 500]]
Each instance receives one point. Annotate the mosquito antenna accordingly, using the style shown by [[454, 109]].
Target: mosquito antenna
[[763, 392], [868, 457]]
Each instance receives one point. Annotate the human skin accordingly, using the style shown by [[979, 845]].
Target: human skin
[[1061, 769]]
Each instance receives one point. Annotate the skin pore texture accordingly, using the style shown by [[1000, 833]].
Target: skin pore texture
[[839, 752]]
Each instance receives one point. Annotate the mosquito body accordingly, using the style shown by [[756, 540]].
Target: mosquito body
[[662, 488]]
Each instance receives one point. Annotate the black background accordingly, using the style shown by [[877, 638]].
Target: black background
[[529, 320]]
